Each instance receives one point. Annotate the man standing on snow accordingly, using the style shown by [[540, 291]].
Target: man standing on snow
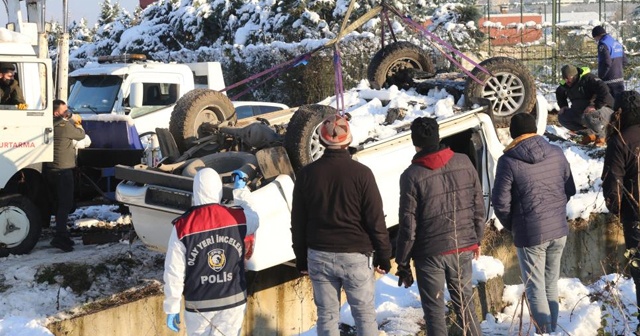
[[591, 104], [532, 187], [208, 272], [59, 172], [620, 175], [442, 221], [611, 60], [338, 230]]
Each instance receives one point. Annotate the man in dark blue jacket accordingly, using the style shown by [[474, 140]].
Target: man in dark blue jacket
[[532, 187], [442, 221], [611, 60]]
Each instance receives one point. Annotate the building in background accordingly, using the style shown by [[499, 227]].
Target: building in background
[[145, 3]]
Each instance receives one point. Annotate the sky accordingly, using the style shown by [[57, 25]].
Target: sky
[[78, 9], [27, 305]]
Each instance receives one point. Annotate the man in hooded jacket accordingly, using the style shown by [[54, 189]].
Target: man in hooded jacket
[[620, 175], [441, 225], [205, 260], [532, 187]]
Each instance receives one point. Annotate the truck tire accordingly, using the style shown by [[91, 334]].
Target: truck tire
[[510, 90], [389, 61], [302, 140], [196, 112], [20, 225]]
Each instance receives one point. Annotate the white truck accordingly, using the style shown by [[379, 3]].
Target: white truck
[[147, 91], [26, 141]]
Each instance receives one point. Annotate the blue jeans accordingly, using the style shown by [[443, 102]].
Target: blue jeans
[[329, 273], [540, 268], [456, 270]]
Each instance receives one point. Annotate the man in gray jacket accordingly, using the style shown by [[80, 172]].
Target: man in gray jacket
[[66, 128], [532, 187], [441, 225]]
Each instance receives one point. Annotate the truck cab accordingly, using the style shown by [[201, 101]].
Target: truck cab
[[145, 91], [26, 141]]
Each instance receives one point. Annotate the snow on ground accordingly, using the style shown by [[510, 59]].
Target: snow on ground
[[26, 304]]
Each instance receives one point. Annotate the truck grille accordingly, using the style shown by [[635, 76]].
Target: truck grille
[[167, 198]]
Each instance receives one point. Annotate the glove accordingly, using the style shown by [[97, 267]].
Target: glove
[[173, 320], [383, 263], [77, 119], [240, 179], [404, 276]]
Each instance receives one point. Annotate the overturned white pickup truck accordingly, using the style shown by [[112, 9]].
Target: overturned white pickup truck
[[156, 196]]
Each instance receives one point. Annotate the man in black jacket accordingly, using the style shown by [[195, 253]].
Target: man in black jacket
[[620, 174], [11, 93], [442, 221], [339, 233], [532, 187], [591, 104]]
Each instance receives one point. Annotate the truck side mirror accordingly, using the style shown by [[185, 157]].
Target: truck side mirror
[[135, 95]]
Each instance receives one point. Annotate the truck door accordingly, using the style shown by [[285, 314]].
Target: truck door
[[26, 129]]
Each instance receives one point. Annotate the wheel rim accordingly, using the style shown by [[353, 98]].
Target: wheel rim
[[207, 116], [506, 92], [14, 226], [402, 64], [316, 149]]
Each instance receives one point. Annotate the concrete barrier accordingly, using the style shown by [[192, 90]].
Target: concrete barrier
[[281, 302]]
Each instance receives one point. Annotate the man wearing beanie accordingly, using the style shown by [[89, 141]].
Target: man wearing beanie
[[620, 176], [338, 231], [532, 186], [611, 60], [591, 104], [442, 221]]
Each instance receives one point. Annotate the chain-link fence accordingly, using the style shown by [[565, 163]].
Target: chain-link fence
[[552, 38]]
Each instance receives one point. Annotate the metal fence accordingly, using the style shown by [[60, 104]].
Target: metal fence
[[563, 36]]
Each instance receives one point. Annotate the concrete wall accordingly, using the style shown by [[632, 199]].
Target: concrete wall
[[594, 248], [281, 302]]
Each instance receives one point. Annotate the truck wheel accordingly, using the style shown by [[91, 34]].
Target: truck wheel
[[20, 225], [302, 139], [196, 112], [510, 90], [391, 60]]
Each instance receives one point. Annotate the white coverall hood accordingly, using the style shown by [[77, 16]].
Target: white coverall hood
[[207, 187]]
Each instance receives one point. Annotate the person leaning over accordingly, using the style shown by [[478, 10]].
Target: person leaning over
[[11, 91], [591, 104], [611, 60], [532, 187], [209, 273], [442, 222], [620, 176], [59, 172], [339, 233]]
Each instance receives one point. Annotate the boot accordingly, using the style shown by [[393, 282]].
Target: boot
[[587, 139], [62, 242]]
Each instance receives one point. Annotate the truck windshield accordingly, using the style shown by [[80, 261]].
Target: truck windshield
[[94, 94]]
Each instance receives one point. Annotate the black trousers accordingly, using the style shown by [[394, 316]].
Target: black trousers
[[61, 186], [631, 231]]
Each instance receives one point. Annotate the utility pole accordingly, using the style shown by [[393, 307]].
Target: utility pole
[[63, 55]]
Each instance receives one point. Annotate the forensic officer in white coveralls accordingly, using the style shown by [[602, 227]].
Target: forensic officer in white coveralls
[[205, 260]]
